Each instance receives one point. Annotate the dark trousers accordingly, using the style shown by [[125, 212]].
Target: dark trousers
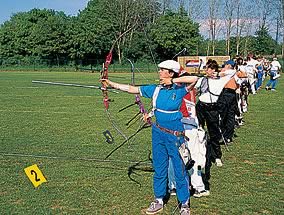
[[228, 108], [208, 114], [207, 171]]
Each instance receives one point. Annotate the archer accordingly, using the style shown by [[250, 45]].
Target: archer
[[167, 132]]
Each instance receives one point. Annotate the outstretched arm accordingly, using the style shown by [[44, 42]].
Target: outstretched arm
[[123, 87], [225, 72], [179, 80]]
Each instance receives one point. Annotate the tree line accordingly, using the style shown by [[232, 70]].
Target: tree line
[[144, 31]]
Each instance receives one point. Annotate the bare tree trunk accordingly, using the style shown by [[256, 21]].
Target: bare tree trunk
[[277, 30], [196, 8], [208, 44], [238, 36], [119, 53], [264, 10], [208, 48], [229, 10], [213, 22], [244, 25], [248, 32]]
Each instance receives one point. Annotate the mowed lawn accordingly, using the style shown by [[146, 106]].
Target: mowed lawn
[[61, 130]]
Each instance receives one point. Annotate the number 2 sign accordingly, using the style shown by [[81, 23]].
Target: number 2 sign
[[35, 175]]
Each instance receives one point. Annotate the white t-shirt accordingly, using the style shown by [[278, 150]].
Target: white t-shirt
[[243, 68], [275, 65], [250, 68], [215, 87]]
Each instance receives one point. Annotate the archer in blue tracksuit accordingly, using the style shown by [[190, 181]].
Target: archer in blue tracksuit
[[165, 145], [166, 132]]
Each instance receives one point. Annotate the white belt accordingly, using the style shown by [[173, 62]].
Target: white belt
[[167, 111], [151, 114]]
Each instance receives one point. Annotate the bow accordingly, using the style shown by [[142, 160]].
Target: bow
[[138, 101], [104, 75], [142, 110]]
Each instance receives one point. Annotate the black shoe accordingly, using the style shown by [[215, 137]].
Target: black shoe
[[173, 192]]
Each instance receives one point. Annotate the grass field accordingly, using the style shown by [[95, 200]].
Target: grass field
[[61, 130]]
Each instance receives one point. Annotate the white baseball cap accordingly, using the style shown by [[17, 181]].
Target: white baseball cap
[[171, 65]]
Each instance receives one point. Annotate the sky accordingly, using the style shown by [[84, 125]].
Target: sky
[[69, 7]]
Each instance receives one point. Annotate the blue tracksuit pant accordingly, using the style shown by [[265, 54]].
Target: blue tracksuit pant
[[165, 145]]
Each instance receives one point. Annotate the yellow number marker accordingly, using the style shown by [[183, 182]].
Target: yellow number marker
[[35, 175]]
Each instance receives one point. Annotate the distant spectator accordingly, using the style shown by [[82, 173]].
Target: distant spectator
[[243, 89], [259, 75], [274, 74], [251, 72]]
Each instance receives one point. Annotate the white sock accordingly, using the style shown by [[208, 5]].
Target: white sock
[[186, 203], [160, 200]]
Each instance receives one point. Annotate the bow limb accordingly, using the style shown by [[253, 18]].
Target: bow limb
[[106, 99], [104, 73]]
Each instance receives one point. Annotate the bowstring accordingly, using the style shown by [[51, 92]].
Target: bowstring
[[142, 125], [115, 126]]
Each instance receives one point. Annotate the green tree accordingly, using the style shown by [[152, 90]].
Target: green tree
[[92, 31], [173, 32], [37, 33], [49, 35], [101, 23], [263, 43]]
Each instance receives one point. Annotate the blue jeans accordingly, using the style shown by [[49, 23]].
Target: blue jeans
[[259, 81], [272, 81]]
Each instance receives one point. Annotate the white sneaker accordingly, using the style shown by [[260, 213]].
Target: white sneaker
[[154, 208], [202, 193], [219, 162], [184, 210]]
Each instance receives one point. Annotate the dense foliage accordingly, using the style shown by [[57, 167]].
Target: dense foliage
[[44, 35]]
